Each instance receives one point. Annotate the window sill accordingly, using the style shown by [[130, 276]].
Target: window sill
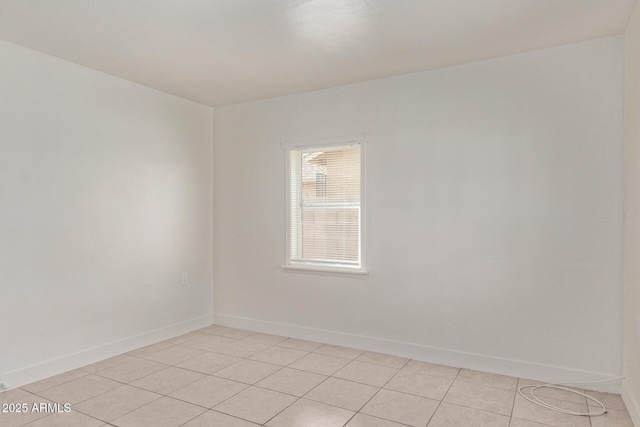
[[327, 270]]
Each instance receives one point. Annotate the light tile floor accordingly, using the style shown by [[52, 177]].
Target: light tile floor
[[225, 377]]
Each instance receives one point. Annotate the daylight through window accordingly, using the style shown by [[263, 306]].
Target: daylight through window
[[325, 211]]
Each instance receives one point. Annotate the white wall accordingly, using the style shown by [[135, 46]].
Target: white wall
[[631, 385], [494, 197], [105, 197]]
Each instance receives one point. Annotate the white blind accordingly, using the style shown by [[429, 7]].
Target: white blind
[[325, 206]]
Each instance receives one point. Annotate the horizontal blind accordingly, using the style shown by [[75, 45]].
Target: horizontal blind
[[325, 205]]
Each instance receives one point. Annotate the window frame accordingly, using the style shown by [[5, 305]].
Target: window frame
[[287, 147]]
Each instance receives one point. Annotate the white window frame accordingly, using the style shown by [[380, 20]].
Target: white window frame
[[359, 139]]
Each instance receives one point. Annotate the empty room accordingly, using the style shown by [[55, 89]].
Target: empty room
[[320, 213]]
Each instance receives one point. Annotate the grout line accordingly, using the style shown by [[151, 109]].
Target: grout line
[[144, 376], [160, 396], [376, 393], [193, 418], [297, 397], [513, 404], [487, 385], [91, 397], [246, 388], [370, 385], [288, 406], [58, 413], [281, 344], [55, 385], [198, 334], [443, 396], [207, 407]]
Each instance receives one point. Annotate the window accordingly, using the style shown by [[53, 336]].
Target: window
[[324, 206]]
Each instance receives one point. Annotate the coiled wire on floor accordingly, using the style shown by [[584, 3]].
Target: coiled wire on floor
[[536, 400]]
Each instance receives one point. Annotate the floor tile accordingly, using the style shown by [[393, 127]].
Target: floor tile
[[279, 355], [256, 404], [19, 396], [225, 331], [342, 393], [164, 412], [415, 366], [242, 348], [366, 373], [15, 395], [168, 380], [400, 407], [209, 342], [209, 329], [339, 351], [107, 363], [208, 363], [184, 338], [432, 387], [149, 349], [481, 397], [487, 379], [79, 389], [362, 420], [613, 418], [610, 400], [265, 338], [515, 422], [247, 371], [553, 393], [70, 419], [174, 355], [209, 391], [383, 359], [526, 410], [235, 333], [116, 403], [305, 413], [291, 381], [226, 377], [55, 380], [449, 415], [320, 363], [300, 344], [218, 419], [132, 370]]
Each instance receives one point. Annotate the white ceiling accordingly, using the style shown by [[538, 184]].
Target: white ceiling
[[220, 52]]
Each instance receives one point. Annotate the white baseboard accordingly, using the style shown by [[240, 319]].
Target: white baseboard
[[29, 374], [632, 403], [496, 365]]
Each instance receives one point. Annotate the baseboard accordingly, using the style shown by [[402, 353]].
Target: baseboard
[[29, 374], [497, 365], [632, 403]]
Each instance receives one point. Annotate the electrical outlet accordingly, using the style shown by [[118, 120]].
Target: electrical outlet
[[184, 279]]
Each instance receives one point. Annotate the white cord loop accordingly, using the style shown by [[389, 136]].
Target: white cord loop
[[536, 400]]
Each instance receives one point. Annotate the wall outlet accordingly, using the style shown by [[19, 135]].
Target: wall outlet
[[184, 278]]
